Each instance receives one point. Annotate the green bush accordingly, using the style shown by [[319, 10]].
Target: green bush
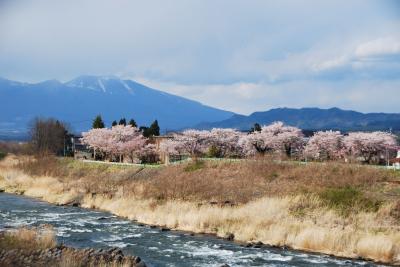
[[213, 152], [2, 155], [348, 200], [196, 165]]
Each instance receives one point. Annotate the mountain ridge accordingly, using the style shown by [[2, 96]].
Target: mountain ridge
[[82, 98], [312, 118]]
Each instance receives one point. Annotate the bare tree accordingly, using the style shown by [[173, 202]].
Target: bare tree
[[48, 136]]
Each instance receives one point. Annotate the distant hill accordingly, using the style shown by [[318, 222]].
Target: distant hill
[[313, 119], [80, 100]]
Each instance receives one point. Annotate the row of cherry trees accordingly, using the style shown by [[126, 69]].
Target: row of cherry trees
[[286, 140], [118, 142], [128, 142]]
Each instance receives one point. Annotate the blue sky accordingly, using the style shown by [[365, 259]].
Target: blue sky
[[242, 56]]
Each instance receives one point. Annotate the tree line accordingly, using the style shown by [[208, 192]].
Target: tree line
[[274, 139], [152, 130], [279, 139], [52, 136]]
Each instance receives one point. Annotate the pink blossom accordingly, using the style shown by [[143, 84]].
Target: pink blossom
[[325, 145], [273, 138], [369, 146], [119, 141]]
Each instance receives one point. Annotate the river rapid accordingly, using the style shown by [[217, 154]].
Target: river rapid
[[82, 228]]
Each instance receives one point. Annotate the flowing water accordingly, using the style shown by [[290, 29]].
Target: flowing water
[[82, 228]]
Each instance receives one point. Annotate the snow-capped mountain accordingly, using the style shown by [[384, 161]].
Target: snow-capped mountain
[[105, 84], [78, 101]]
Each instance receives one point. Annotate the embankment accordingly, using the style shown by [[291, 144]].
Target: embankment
[[37, 247], [337, 209]]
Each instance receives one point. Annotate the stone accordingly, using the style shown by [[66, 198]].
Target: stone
[[50, 257], [258, 244], [230, 236]]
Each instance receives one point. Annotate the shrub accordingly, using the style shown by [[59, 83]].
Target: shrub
[[347, 200], [213, 152], [196, 165], [16, 148], [2, 155], [395, 211]]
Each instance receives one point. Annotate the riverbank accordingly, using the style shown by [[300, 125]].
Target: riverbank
[[38, 247], [347, 211]]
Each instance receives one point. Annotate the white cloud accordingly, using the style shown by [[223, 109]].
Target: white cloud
[[331, 64], [245, 98], [379, 47], [373, 59]]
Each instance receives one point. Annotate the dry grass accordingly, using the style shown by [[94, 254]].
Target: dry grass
[[270, 220], [238, 182], [16, 148], [278, 204], [246, 181], [28, 239]]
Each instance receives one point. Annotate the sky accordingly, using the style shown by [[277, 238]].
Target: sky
[[238, 55]]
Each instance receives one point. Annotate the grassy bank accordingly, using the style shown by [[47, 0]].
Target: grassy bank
[[38, 247], [344, 210], [28, 239]]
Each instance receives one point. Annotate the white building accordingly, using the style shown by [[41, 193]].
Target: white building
[[396, 161]]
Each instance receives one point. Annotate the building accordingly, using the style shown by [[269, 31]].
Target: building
[[80, 150], [396, 161]]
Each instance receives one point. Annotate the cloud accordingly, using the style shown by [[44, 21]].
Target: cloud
[[245, 98], [374, 59], [378, 48], [235, 55]]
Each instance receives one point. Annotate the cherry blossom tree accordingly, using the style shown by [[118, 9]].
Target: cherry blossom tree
[[192, 142], [171, 147], [197, 143], [273, 138], [118, 141], [325, 145], [225, 142], [369, 146], [97, 139], [148, 153]]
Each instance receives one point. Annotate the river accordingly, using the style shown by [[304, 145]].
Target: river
[[82, 228]]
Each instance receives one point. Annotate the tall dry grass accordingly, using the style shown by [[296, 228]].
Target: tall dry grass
[[28, 239], [238, 182], [31, 240], [277, 204], [270, 220]]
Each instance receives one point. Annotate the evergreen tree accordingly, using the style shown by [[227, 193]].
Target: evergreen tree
[[145, 131], [98, 122], [114, 123], [255, 128], [154, 129], [132, 123], [122, 122]]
